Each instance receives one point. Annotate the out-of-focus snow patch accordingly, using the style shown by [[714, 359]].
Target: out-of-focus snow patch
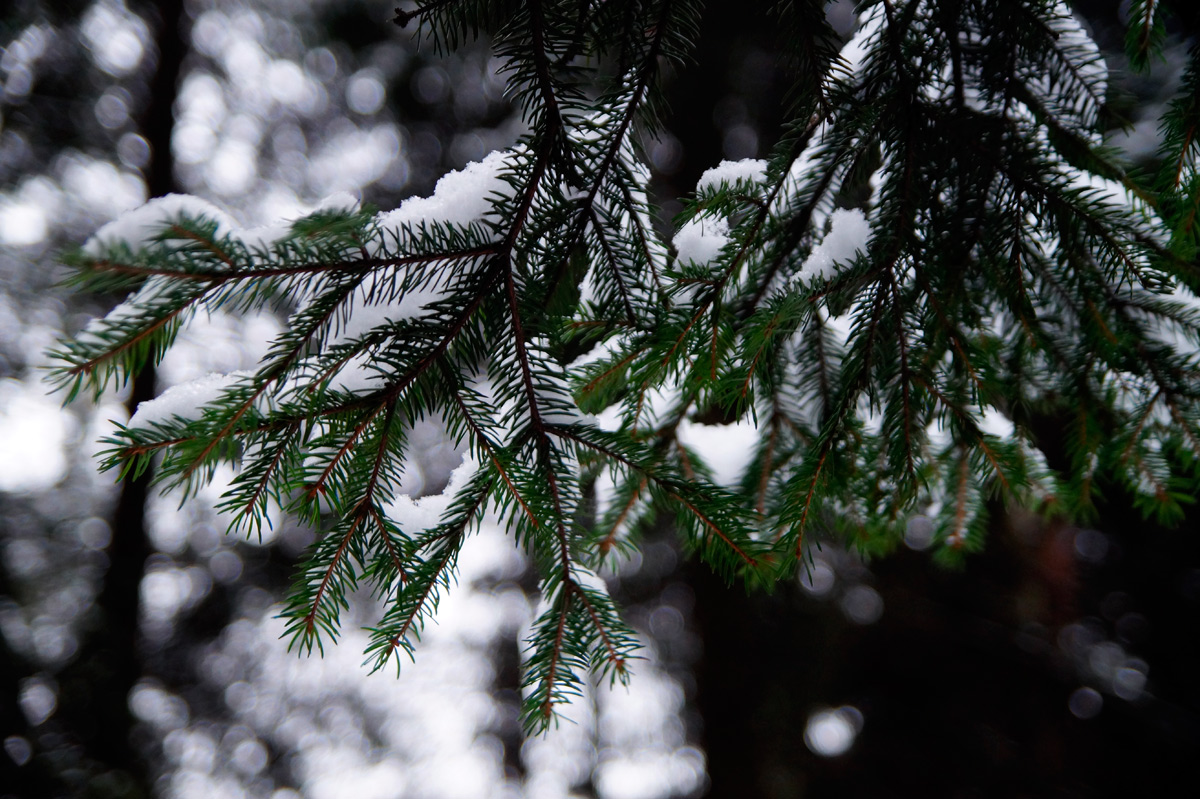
[[586, 578], [142, 225], [22, 223], [610, 419], [357, 376], [725, 448], [139, 301], [460, 198], [265, 236], [355, 158], [556, 404], [365, 315], [339, 201], [1110, 191], [650, 772], [431, 456], [869, 26], [994, 423], [35, 432], [847, 236], [1070, 35], [1178, 337], [218, 341], [939, 437]]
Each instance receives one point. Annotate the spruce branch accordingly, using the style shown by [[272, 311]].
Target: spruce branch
[[938, 244]]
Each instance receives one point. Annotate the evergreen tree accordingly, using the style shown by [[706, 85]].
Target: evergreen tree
[[939, 251]]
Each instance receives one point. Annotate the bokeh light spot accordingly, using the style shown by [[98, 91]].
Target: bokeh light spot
[[830, 733], [18, 749], [862, 604], [133, 150], [1085, 703], [1091, 545], [37, 699], [364, 92], [919, 533], [35, 432], [115, 39], [112, 109], [22, 224], [1129, 683], [430, 85], [817, 579]]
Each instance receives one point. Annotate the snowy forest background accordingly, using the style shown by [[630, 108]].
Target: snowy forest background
[[1061, 660]]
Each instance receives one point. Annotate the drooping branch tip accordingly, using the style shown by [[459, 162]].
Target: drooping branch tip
[[403, 17]]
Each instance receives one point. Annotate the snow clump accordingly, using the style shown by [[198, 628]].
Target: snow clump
[[460, 197], [185, 400], [847, 236], [701, 240], [752, 170], [142, 225]]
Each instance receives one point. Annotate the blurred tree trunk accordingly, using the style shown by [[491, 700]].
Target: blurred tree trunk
[[96, 687]]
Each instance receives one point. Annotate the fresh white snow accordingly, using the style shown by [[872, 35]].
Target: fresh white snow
[[752, 170], [460, 197], [848, 234], [700, 240], [185, 400], [727, 449], [263, 237], [142, 225], [137, 303], [425, 513]]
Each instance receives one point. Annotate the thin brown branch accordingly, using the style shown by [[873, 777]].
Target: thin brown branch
[[808, 499], [1137, 430], [905, 379], [482, 439], [318, 485], [958, 536], [208, 243], [310, 618], [387, 542], [644, 242], [714, 528], [92, 363], [612, 263], [402, 17], [590, 386], [611, 538], [261, 488], [448, 550], [1181, 162], [291, 270], [767, 467], [556, 654], [614, 657], [541, 65]]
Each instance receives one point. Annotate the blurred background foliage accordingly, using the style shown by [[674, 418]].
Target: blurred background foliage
[[138, 651]]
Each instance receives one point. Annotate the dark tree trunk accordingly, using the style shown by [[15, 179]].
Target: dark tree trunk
[[96, 687]]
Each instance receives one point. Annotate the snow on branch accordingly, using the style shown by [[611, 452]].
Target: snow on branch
[[858, 328]]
